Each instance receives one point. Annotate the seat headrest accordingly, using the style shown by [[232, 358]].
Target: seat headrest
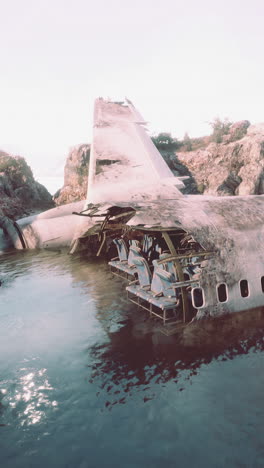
[[135, 250], [139, 261], [164, 255], [165, 275]]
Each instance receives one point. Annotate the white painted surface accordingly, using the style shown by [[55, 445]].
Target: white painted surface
[[125, 164]]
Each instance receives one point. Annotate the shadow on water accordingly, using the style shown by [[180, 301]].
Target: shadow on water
[[130, 355], [139, 359], [120, 370], [88, 380]]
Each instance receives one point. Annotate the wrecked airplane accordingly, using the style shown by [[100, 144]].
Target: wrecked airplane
[[184, 257]]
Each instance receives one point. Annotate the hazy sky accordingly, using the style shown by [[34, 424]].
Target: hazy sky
[[182, 63]]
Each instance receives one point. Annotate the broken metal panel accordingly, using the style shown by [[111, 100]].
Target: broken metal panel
[[221, 224], [231, 227], [212, 224], [198, 211]]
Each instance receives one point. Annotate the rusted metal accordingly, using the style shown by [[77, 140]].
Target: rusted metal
[[189, 255], [184, 284], [124, 214], [102, 244], [105, 221]]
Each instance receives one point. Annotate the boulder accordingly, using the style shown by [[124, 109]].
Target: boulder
[[20, 194], [238, 130], [229, 168], [233, 167]]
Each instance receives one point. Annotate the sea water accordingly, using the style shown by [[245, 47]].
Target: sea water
[[82, 384]]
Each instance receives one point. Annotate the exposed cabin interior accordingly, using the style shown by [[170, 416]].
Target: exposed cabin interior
[[160, 265]]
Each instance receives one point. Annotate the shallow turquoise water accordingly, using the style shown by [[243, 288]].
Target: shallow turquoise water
[[82, 385]]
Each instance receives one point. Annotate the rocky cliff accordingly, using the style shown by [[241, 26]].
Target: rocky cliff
[[75, 176], [233, 167], [20, 194]]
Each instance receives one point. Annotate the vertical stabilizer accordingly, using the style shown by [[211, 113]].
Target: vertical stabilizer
[[125, 164]]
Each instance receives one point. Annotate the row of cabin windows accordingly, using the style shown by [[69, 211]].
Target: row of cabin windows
[[198, 293]]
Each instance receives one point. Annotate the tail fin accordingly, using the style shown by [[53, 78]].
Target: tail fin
[[125, 165]]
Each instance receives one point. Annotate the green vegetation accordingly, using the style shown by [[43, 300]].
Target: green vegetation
[[164, 141], [220, 128], [7, 164], [16, 169]]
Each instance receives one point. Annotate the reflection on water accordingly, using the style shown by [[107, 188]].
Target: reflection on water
[[4, 242], [120, 372], [87, 380], [29, 400]]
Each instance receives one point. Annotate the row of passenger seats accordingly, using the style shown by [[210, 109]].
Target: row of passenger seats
[[154, 292], [154, 288], [124, 264]]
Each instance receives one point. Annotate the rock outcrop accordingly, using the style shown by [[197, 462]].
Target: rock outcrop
[[231, 167], [237, 131], [75, 176], [20, 194], [180, 169]]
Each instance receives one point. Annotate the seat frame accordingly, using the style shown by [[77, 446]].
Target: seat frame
[[157, 304], [124, 269]]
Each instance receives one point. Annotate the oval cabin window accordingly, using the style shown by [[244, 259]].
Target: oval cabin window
[[198, 297], [244, 290], [222, 292]]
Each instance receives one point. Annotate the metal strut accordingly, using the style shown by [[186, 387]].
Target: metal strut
[[185, 307]]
